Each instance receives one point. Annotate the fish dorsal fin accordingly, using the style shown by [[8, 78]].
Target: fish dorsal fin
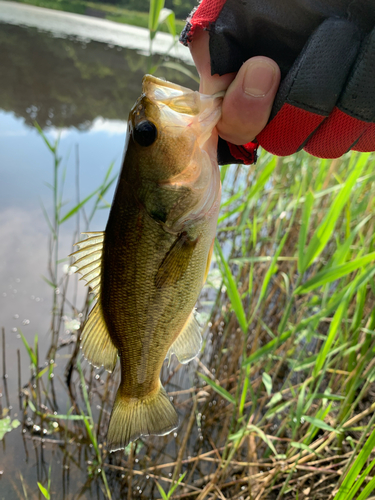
[[176, 261], [188, 343], [96, 344], [88, 259]]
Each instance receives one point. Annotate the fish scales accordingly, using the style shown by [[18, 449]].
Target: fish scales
[[152, 260]]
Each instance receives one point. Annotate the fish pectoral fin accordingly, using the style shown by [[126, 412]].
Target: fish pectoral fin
[[96, 344], [188, 343], [176, 261], [88, 259], [132, 418]]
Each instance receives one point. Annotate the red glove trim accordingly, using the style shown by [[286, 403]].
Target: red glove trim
[[247, 153], [207, 12], [281, 137], [366, 143], [336, 135]]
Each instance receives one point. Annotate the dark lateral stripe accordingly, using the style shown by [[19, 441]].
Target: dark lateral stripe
[[366, 142], [289, 130], [336, 135]]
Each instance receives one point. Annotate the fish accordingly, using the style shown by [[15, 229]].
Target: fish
[[149, 265]]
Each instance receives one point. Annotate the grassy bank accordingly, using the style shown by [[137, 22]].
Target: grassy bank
[[105, 11]]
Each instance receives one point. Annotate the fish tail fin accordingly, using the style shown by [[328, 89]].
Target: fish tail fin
[[132, 418]]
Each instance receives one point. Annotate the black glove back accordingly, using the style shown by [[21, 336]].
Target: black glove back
[[326, 53]]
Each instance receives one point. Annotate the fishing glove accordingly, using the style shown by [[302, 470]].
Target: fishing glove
[[326, 52]]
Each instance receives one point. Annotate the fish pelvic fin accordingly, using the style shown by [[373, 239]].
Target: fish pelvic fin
[[96, 343], [188, 343], [88, 259], [132, 418]]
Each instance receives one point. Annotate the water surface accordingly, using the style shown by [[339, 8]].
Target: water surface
[[80, 91]]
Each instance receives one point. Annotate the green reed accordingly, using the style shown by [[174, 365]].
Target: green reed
[[307, 235]]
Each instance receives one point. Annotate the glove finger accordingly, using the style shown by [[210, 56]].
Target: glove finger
[[366, 142], [248, 100], [364, 91], [354, 112], [309, 92]]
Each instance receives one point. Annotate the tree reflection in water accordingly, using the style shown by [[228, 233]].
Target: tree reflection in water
[[65, 82]]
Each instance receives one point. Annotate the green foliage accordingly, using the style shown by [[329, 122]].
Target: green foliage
[[156, 7], [167, 496], [232, 290], [308, 234], [44, 491], [352, 482], [181, 7], [222, 392], [89, 425], [7, 425], [325, 230]]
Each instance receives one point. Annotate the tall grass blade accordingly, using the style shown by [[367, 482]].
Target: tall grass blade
[[220, 390], [319, 423], [356, 468], [154, 14], [232, 289], [328, 275], [30, 352], [304, 229], [167, 16], [324, 232], [333, 329], [44, 491], [74, 210]]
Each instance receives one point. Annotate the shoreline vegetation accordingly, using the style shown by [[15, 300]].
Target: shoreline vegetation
[[279, 404], [111, 12]]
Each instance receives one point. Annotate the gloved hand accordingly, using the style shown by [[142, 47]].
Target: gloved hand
[[326, 53]]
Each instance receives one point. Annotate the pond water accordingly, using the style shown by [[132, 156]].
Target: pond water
[[81, 91]]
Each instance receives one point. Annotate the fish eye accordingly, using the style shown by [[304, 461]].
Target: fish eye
[[145, 133]]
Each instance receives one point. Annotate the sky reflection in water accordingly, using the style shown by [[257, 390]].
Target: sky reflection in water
[[81, 92]]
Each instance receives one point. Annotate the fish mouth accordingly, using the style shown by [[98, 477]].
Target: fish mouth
[[161, 89], [162, 93], [179, 99], [182, 107]]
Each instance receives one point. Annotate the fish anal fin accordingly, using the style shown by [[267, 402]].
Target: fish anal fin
[[96, 343], [132, 418], [188, 343], [176, 261]]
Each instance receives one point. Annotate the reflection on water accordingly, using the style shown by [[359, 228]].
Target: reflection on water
[[64, 82], [81, 92]]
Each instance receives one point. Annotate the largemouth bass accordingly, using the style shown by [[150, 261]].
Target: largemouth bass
[[148, 267]]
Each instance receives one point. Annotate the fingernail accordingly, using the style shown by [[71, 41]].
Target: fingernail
[[258, 79]]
